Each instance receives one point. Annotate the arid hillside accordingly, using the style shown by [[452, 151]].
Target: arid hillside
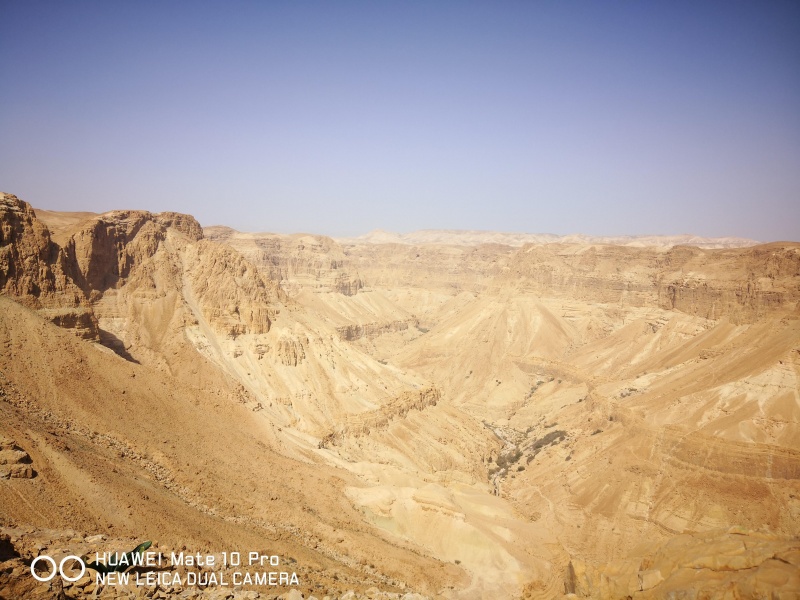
[[429, 415]]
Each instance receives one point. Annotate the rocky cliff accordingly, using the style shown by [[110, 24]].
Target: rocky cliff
[[97, 257], [66, 281], [372, 330], [229, 290], [744, 284], [296, 261], [107, 248], [33, 268]]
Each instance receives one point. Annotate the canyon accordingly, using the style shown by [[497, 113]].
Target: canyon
[[442, 414]]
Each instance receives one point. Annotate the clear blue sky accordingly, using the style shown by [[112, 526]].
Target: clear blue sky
[[341, 117]]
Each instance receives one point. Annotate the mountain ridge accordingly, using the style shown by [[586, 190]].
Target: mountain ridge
[[476, 237]]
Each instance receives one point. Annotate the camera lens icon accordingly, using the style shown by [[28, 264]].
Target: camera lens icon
[[57, 568]]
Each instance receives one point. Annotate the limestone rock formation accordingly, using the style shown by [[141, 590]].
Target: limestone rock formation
[[715, 564], [316, 261], [746, 285], [372, 330], [107, 248], [32, 267], [291, 351], [706, 283], [229, 290], [15, 463], [99, 253], [81, 320], [348, 287]]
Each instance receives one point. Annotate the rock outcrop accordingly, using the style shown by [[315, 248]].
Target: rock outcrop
[[290, 351], [107, 248], [233, 295], [298, 261], [347, 286], [81, 320], [14, 461], [397, 408], [65, 282], [355, 332], [33, 269], [97, 257]]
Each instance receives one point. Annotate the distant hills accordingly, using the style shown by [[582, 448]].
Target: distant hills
[[456, 237]]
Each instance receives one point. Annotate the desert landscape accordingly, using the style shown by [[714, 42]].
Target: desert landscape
[[399, 300], [443, 414]]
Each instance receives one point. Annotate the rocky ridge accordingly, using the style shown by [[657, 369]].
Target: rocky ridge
[[706, 283]]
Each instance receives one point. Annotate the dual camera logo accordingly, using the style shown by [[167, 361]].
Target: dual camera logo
[[57, 568]]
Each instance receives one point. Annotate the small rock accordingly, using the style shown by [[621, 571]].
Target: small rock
[[649, 579]]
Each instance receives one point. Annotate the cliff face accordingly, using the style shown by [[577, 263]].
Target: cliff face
[[352, 333], [99, 256], [229, 290], [297, 261], [65, 282], [744, 284], [107, 248], [747, 284], [33, 268]]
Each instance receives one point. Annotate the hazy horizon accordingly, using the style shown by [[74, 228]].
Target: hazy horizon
[[340, 119], [424, 230]]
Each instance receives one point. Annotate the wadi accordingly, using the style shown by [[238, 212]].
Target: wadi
[[454, 415]]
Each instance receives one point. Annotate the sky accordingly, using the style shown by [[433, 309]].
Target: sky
[[341, 117]]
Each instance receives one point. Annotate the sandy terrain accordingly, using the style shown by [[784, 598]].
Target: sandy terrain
[[450, 415]]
